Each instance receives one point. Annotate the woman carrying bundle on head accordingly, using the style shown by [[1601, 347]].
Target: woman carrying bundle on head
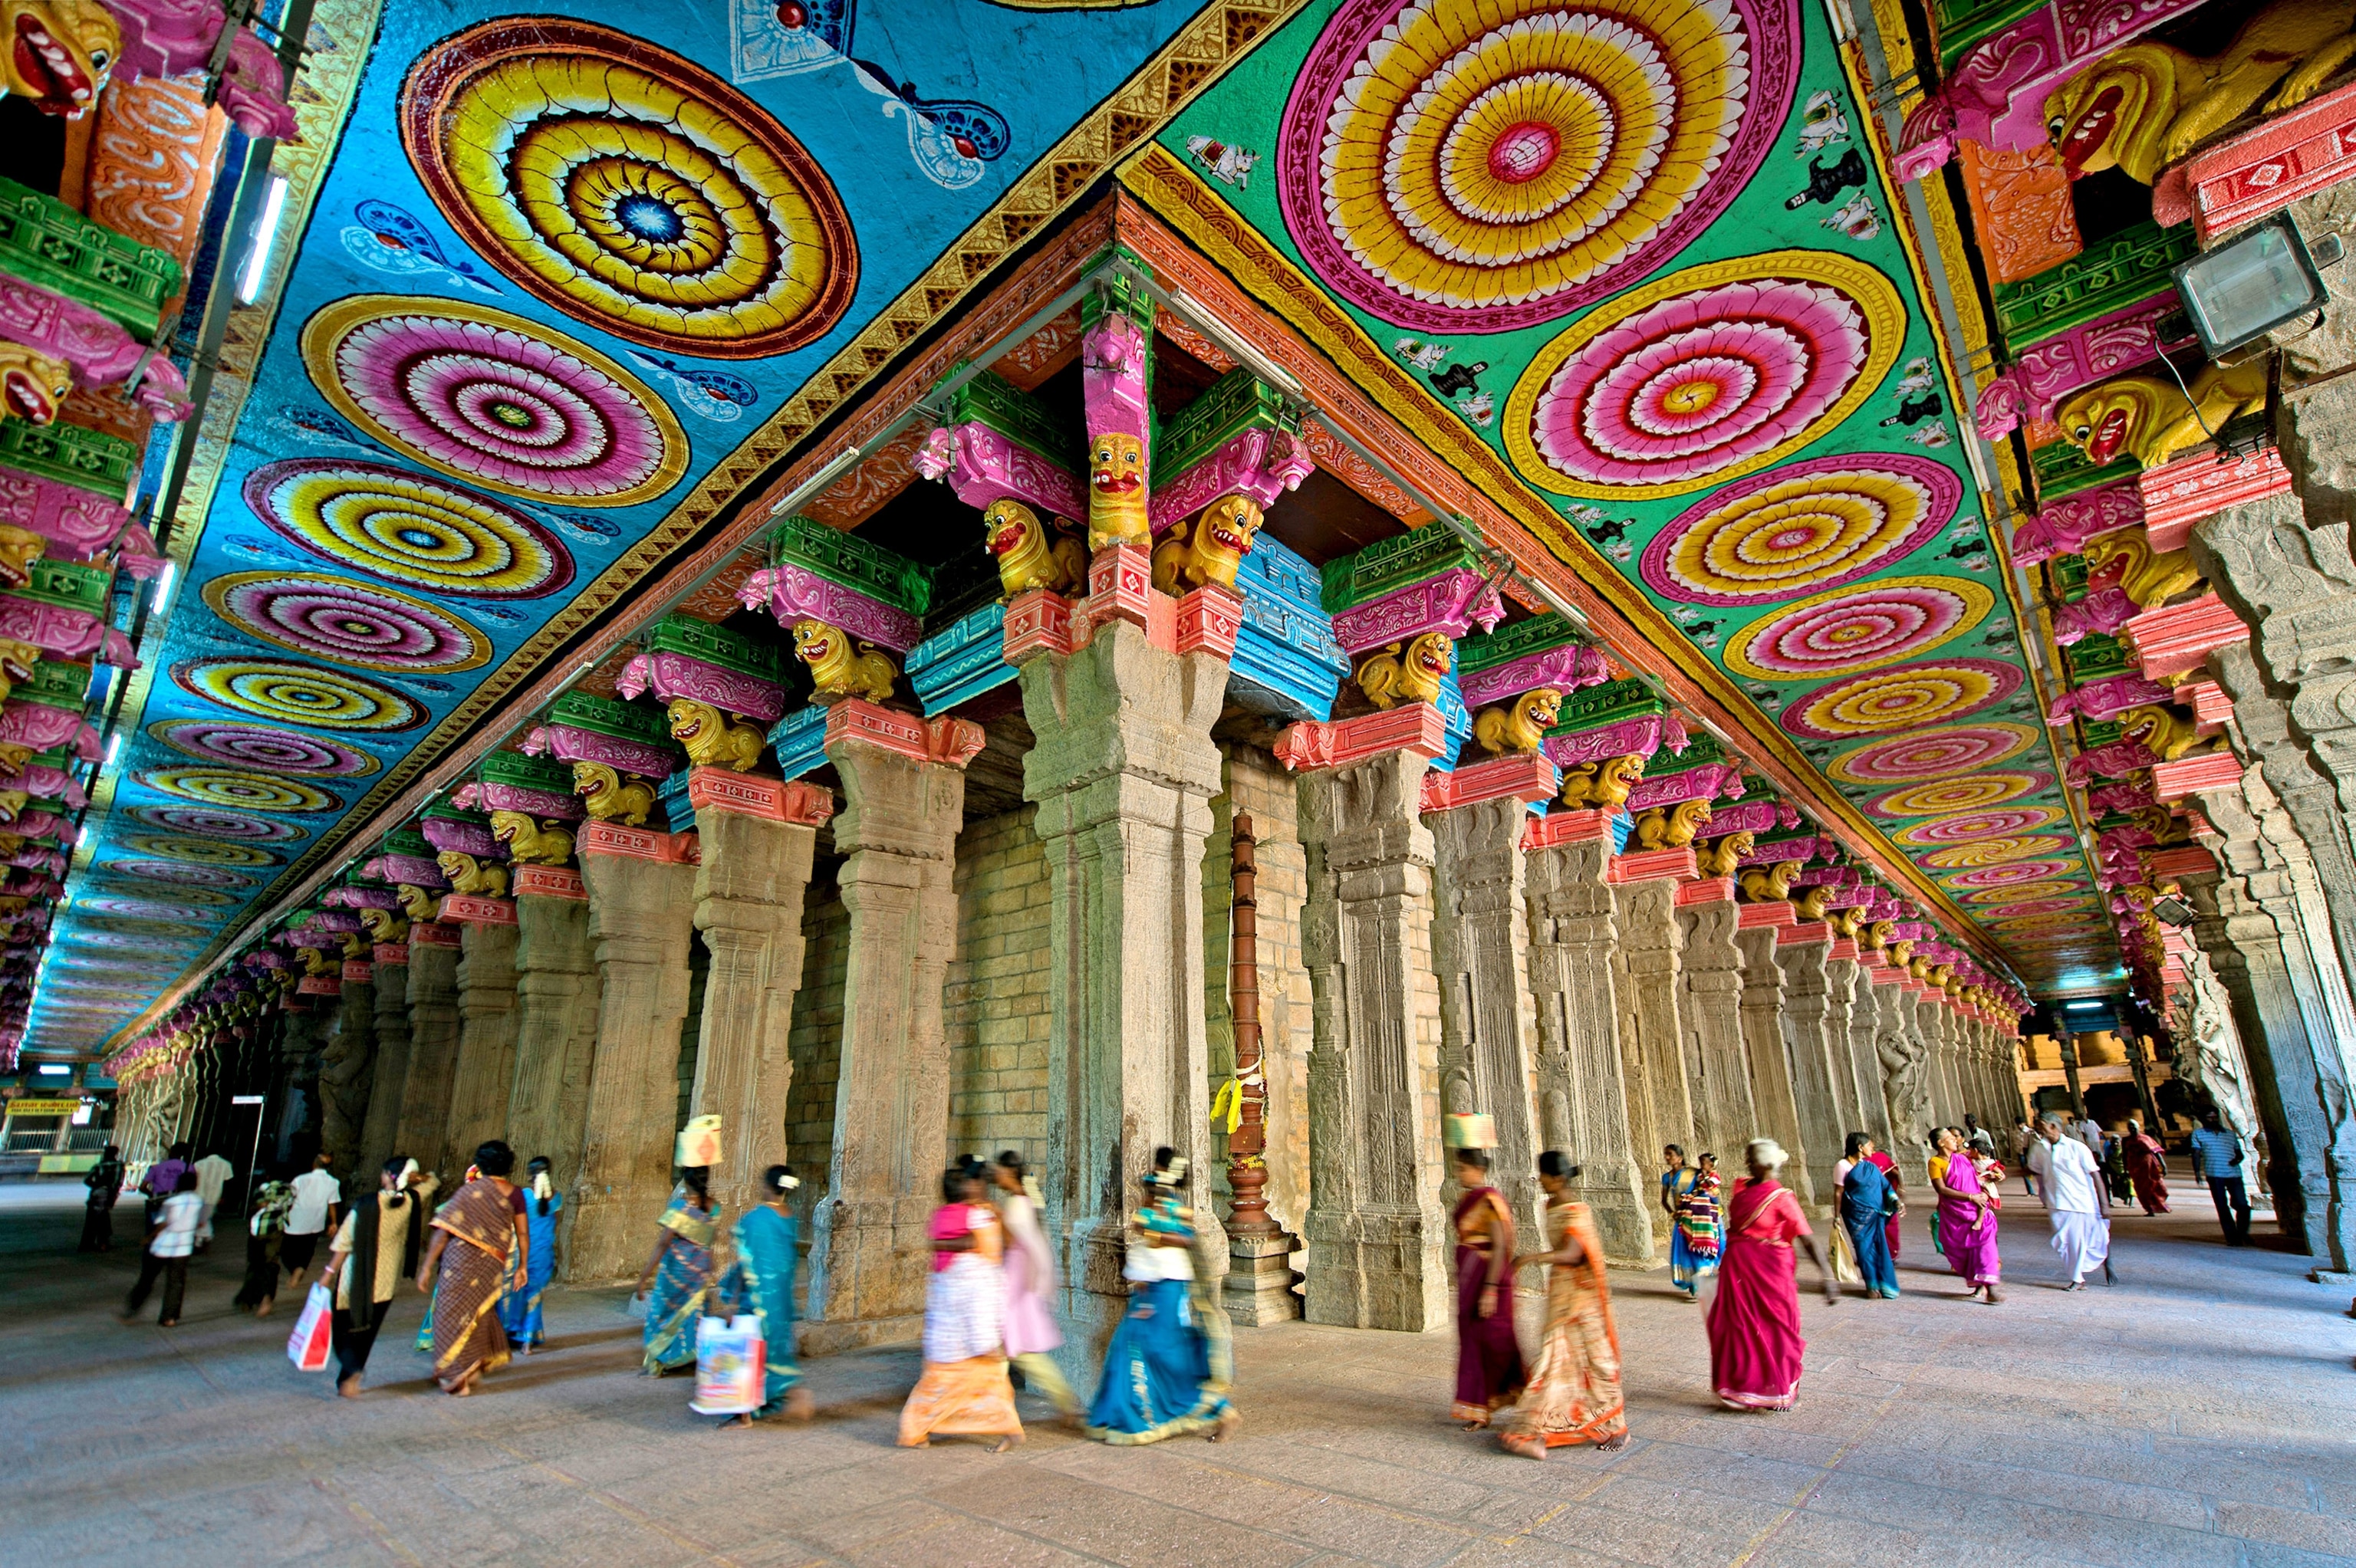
[[1574, 1391], [1164, 1375], [519, 1314], [965, 1389]]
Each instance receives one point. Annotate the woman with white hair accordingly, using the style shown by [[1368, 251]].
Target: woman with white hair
[[1754, 1320]]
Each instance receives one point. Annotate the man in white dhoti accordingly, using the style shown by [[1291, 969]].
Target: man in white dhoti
[[2071, 1183]]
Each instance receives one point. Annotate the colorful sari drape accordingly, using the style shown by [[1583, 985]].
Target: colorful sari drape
[[1489, 1373], [520, 1312], [1171, 1363], [2148, 1171], [1889, 1229], [1574, 1393], [1756, 1346], [682, 1286], [467, 1337], [1967, 1233], [767, 1254], [965, 1389], [1863, 1220]]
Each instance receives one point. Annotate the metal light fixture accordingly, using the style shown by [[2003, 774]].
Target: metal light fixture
[[2170, 909], [2264, 278]]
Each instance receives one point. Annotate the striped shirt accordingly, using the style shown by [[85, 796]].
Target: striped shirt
[[2216, 1153]]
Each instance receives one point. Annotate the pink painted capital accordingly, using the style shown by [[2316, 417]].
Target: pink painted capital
[[1639, 737], [1452, 602], [981, 466], [1261, 464], [951, 742], [1566, 668], [789, 593]]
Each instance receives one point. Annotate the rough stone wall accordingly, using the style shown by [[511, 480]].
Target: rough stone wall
[[996, 997], [816, 1039]]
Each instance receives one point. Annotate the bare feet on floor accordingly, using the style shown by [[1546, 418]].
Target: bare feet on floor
[[351, 1387]]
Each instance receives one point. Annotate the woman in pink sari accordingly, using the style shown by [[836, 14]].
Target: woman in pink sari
[[1967, 1219], [1754, 1319]]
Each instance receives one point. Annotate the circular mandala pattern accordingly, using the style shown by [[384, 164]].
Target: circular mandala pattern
[[2045, 890], [630, 188], [1851, 630], [494, 400], [1806, 526], [1705, 376], [139, 926], [256, 792], [206, 851], [1901, 699], [299, 693], [2009, 875], [402, 528], [282, 751], [1942, 796], [1989, 851], [1974, 825], [2049, 925], [331, 619], [1461, 167], [177, 873], [151, 909], [214, 824], [2027, 907], [1934, 754], [127, 942]]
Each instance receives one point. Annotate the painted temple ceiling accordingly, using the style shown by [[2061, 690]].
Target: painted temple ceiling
[[556, 295]]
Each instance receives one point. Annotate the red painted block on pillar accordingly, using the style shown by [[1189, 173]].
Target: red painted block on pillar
[[466, 909], [395, 952], [432, 934], [1525, 776], [320, 985], [359, 972], [1410, 727], [1036, 622], [955, 741], [2194, 776], [1653, 864], [1708, 891], [1584, 827], [1208, 621], [549, 882], [2177, 494], [2175, 638], [1776, 912], [1803, 930]]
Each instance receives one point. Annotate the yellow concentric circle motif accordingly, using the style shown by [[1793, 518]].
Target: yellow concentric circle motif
[[1850, 629], [1995, 851], [250, 792], [1704, 375], [408, 529], [304, 693], [1942, 796], [140, 926], [2022, 892], [207, 851], [1904, 698], [629, 187]]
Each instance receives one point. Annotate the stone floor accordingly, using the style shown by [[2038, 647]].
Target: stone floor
[[2204, 1413]]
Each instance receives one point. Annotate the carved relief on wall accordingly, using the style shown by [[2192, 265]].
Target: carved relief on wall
[[2020, 209]]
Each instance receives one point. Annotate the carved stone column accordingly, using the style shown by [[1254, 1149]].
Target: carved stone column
[[1123, 770], [1376, 1234], [1772, 1098], [433, 1045], [1801, 951], [1865, 1056], [1840, 1010], [903, 782], [1582, 1078], [390, 1072], [485, 1078], [347, 1072], [1645, 979], [1480, 945], [556, 1018], [1900, 1053], [1709, 1011], [641, 922]]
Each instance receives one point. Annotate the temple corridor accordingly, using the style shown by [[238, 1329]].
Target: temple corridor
[[2197, 1415]]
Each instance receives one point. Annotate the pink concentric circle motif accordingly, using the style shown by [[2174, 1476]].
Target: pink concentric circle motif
[[2027, 907], [1970, 825], [346, 622], [1933, 753], [207, 823], [1963, 792], [182, 872], [495, 400], [262, 746], [1901, 699], [1486, 167], [2013, 871], [139, 909], [1802, 527], [1851, 630]]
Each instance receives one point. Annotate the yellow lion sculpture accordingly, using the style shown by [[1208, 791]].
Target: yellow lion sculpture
[[1209, 549], [2144, 577], [1519, 725], [33, 385], [472, 877], [1116, 491], [19, 548], [416, 902], [17, 662], [1028, 557], [529, 843], [610, 798], [1393, 677], [1670, 827], [383, 925], [2148, 419], [1601, 786], [869, 673], [712, 739], [1723, 856], [1768, 884]]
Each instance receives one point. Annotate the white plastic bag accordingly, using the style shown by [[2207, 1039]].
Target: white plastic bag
[[731, 1366], [308, 1345]]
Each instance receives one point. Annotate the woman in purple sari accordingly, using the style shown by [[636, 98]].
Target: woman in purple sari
[[1488, 1375], [1967, 1219]]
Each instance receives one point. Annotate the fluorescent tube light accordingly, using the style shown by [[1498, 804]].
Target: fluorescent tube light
[[265, 237]]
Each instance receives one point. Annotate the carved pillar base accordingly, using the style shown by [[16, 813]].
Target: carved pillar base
[[485, 1078], [555, 1027]]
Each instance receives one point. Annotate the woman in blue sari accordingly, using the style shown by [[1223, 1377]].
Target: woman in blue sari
[[1681, 1183], [766, 1240], [1868, 1202], [681, 1274], [1169, 1367], [519, 1310]]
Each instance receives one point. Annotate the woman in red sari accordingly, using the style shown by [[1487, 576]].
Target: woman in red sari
[[1754, 1320], [2147, 1167], [1488, 1357]]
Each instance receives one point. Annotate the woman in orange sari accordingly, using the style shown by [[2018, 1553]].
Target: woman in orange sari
[[485, 1219], [965, 1388], [1574, 1389], [1755, 1323]]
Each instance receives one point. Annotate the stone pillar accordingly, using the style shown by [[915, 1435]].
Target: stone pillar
[[1800, 952], [1377, 1237], [904, 785], [1709, 1011], [1123, 770], [1937, 1026], [391, 1075], [1582, 1080], [1644, 977], [485, 1078], [1900, 1054], [556, 995], [348, 1071], [1480, 946], [432, 1046], [1865, 1056], [1840, 1010], [1776, 1109], [641, 922]]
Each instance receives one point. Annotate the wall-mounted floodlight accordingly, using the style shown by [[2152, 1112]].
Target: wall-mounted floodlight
[[2264, 278], [2083, 1006], [2171, 911]]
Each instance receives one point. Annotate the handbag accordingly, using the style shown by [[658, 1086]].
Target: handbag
[[308, 1345], [731, 1366]]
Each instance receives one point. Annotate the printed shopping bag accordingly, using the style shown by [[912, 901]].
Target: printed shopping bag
[[731, 1366], [308, 1345]]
